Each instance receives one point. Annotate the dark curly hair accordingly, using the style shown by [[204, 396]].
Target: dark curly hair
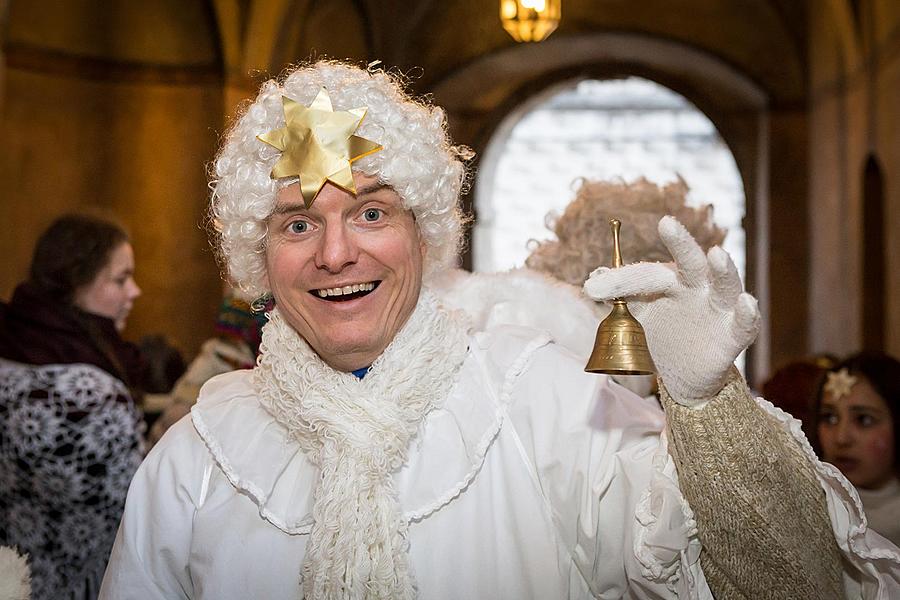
[[72, 251]]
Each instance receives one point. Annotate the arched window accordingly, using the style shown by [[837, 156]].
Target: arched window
[[621, 128]]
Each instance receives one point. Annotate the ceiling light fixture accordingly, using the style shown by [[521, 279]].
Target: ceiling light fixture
[[530, 20]]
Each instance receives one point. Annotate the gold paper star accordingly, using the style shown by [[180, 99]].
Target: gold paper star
[[840, 383], [318, 145]]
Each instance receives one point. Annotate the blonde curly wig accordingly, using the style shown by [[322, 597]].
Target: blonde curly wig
[[417, 161], [583, 241]]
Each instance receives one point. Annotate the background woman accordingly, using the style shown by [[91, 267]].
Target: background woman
[[70, 433], [857, 424], [75, 303]]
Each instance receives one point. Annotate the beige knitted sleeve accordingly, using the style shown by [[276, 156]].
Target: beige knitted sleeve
[[759, 507]]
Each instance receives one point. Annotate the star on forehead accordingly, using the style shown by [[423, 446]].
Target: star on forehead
[[318, 144], [840, 383]]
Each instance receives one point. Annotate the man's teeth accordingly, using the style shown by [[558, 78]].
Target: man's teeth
[[347, 289]]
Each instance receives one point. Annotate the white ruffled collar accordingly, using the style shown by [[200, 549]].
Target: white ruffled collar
[[260, 458]]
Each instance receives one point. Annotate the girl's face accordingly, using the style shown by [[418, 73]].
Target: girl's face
[[857, 435], [112, 292]]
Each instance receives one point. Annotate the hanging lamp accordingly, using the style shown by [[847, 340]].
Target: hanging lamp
[[530, 20]]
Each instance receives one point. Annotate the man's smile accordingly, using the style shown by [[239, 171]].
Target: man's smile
[[346, 292]]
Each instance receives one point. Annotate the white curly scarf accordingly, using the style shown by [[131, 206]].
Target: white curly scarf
[[357, 432]]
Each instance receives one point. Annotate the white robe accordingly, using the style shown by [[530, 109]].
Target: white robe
[[534, 480]]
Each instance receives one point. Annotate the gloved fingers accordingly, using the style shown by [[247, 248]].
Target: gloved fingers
[[745, 325], [687, 253], [639, 279], [726, 283]]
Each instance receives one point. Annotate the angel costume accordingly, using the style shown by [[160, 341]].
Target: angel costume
[[517, 476], [469, 460]]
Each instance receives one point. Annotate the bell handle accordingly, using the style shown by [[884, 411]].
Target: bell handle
[[615, 225]]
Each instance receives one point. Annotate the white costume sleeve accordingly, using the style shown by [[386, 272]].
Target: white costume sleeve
[[151, 554]]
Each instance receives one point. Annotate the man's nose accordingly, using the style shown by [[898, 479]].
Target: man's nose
[[337, 249], [135, 290]]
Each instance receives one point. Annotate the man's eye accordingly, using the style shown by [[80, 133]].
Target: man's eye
[[299, 227], [372, 214]]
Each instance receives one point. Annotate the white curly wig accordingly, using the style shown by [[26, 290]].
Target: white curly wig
[[417, 161]]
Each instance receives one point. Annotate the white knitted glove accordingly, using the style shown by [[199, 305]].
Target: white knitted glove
[[695, 313]]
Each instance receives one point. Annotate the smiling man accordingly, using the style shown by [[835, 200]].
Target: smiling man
[[347, 270], [383, 449]]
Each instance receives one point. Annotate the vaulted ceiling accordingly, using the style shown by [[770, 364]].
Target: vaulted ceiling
[[766, 40]]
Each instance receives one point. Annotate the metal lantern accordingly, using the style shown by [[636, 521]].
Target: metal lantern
[[530, 20]]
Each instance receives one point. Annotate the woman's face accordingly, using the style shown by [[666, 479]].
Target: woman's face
[[112, 292], [857, 435]]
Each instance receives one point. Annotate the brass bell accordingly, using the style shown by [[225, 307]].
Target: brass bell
[[620, 347]]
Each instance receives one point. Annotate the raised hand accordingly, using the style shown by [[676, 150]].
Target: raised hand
[[694, 311]]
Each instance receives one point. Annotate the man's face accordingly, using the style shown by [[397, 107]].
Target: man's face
[[346, 272]]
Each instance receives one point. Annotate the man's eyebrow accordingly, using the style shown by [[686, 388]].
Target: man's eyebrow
[[290, 207], [371, 188], [294, 207]]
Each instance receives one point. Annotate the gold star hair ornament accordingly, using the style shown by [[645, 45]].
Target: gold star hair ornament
[[839, 383], [318, 145]]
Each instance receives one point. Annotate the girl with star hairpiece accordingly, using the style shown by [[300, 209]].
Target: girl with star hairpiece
[[857, 427]]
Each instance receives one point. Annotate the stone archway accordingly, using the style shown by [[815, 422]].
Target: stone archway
[[479, 95], [626, 128]]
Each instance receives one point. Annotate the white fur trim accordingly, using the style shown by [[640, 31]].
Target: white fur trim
[[15, 575]]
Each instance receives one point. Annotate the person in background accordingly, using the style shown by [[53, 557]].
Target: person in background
[[582, 240], [235, 346], [856, 425], [70, 429], [794, 388], [76, 301], [546, 293], [165, 364]]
